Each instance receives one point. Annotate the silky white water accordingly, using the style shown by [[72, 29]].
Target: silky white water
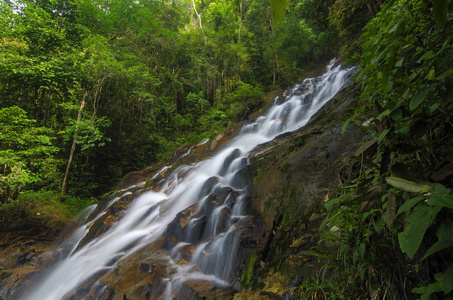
[[151, 213]]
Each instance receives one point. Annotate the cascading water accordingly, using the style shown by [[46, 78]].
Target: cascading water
[[211, 192]]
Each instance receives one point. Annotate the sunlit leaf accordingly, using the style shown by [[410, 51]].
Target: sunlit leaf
[[278, 10], [406, 185]]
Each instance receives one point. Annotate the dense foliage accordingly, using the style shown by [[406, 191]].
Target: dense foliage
[[91, 90], [391, 221]]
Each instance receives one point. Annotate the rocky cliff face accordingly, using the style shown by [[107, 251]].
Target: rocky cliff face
[[289, 178], [293, 176]]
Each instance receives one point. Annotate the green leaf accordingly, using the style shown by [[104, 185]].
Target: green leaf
[[345, 125], [362, 249], [278, 10], [426, 56], [434, 107], [380, 223], [418, 99], [383, 114], [410, 203], [432, 74], [445, 235], [446, 62], [394, 28], [399, 63], [427, 291], [440, 11], [418, 222], [446, 280], [390, 60], [441, 196], [403, 132], [406, 185], [444, 74], [382, 135], [329, 204]]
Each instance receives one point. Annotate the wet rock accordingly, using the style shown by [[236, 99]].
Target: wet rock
[[181, 152], [240, 180], [194, 230], [113, 213], [291, 176], [217, 198], [130, 179], [183, 252], [208, 186], [178, 228], [203, 289], [251, 230], [236, 153], [223, 219], [298, 167], [22, 254], [138, 276]]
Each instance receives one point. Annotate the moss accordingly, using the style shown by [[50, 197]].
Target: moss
[[298, 143], [248, 273], [291, 206], [43, 208], [266, 206], [258, 176], [149, 183]]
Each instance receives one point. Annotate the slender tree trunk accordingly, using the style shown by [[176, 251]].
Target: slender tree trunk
[[198, 16], [273, 73], [240, 21], [376, 7], [74, 141], [373, 7], [275, 68], [370, 9]]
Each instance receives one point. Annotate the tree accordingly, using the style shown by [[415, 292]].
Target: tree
[[27, 155]]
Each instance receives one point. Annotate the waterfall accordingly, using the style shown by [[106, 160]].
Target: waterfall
[[200, 206]]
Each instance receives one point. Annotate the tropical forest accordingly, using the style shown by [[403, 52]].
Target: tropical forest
[[226, 149]]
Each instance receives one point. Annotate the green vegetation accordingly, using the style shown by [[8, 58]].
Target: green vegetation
[[92, 90], [389, 228], [247, 275]]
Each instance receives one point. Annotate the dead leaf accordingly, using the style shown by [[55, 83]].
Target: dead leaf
[[391, 209]]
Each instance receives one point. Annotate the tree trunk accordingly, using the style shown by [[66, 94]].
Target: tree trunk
[[275, 68], [74, 141], [370, 9], [240, 22], [198, 16]]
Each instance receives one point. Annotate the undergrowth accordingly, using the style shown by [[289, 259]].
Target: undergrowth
[[388, 232], [43, 208]]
